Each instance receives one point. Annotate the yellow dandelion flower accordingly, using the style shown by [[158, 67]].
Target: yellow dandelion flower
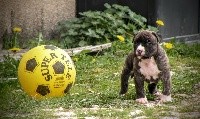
[[168, 45], [17, 29], [121, 38], [160, 23], [15, 49]]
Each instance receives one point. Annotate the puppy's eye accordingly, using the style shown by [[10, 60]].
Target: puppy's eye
[[149, 42]]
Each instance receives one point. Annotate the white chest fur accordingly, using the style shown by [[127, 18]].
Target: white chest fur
[[149, 68]]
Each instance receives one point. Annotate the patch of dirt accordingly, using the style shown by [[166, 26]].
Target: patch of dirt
[[186, 106]]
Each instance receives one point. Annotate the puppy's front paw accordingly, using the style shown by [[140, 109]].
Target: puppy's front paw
[[164, 98], [142, 100]]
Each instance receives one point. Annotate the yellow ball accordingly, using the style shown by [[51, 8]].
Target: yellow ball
[[46, 71]]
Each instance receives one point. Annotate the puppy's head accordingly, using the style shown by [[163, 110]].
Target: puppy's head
[[146, 44]]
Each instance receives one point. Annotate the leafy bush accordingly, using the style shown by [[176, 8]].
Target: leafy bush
[[95, 27]]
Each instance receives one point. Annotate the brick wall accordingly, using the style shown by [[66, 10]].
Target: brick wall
[[34, 16]]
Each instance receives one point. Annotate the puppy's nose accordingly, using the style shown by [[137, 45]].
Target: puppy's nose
[[139, 51]]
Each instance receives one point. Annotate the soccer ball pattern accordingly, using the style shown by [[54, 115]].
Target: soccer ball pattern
[[31, 64], [46, 71]]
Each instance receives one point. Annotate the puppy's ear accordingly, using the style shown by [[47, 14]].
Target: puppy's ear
[[158, 36]]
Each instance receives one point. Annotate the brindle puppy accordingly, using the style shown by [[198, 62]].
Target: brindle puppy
[[148, 62]]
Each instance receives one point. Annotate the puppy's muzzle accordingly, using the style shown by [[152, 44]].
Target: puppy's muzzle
[[140, 51]]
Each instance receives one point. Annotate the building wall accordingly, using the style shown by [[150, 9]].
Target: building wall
[[34, 16], [181, 17]]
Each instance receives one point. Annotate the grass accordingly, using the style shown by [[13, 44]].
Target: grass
[[95, 93]]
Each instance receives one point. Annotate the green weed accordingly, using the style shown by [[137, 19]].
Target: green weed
[[8, 68]]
